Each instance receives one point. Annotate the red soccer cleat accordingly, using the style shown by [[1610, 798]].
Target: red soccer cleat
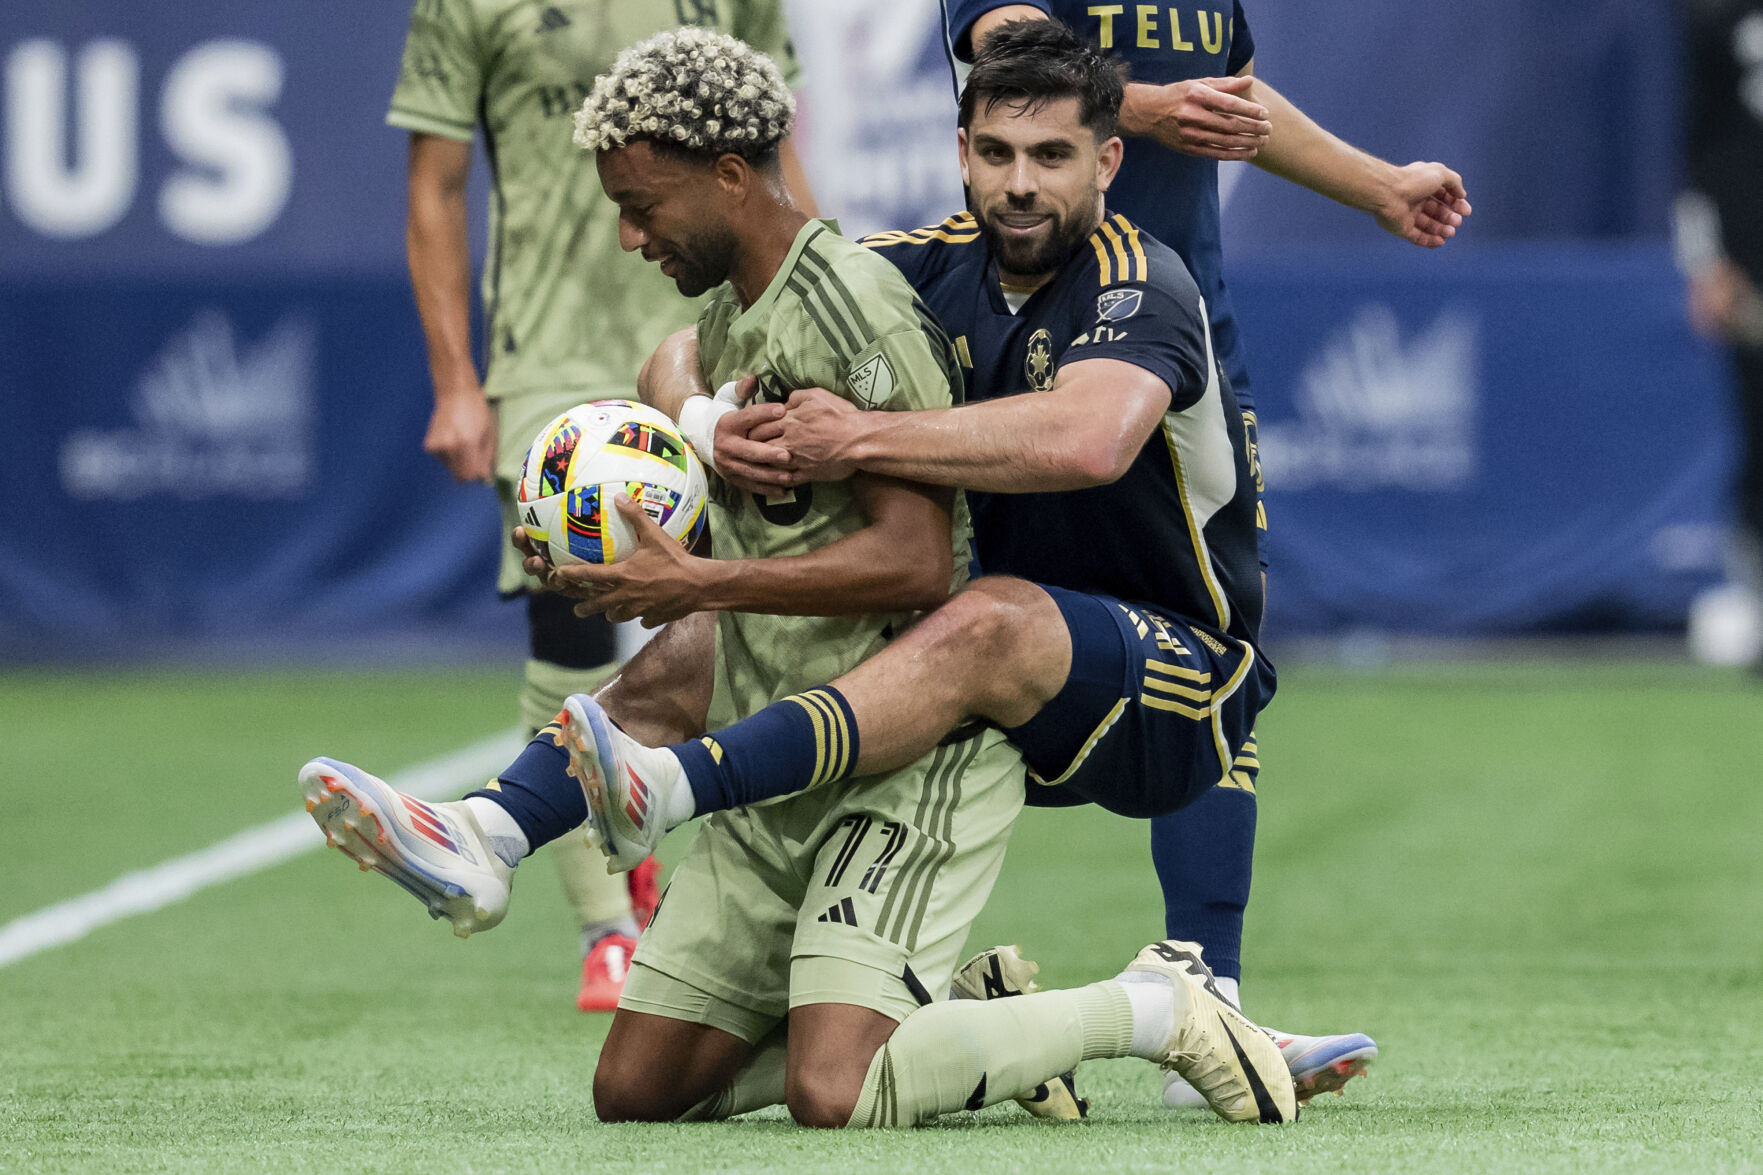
[[645, 886], [603, 973]]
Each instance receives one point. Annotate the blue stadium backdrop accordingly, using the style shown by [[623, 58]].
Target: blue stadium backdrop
[[214, 385]]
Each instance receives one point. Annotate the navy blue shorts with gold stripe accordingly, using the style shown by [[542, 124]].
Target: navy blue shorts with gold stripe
[[1155, 711]]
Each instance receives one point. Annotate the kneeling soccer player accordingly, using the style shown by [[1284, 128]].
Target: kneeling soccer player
[[800, 940]]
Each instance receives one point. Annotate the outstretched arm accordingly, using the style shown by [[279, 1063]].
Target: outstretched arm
[[1423, 203], [1243, 117]]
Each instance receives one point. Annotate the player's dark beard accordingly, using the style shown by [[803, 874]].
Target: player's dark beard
[[704, 260], [1020, 257]]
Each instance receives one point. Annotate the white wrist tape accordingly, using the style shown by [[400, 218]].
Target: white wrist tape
[[726, 393], [697, 420]]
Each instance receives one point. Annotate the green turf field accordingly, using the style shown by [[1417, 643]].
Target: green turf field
[[1540, 888]]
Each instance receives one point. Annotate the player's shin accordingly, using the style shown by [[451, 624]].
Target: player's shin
[[963, 1054], [537, 792]]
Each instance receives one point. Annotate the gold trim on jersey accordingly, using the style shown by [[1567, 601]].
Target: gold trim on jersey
[[1202, 553], [1137, 245], [1104, 268], [957, 229], [1102, 727], [1179, 672], [1120, 252], [1218, 700]]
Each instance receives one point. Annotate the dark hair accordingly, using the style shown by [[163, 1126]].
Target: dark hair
[[1029, 63]]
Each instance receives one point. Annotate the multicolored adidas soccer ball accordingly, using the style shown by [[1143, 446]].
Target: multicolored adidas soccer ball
[[590, 454]]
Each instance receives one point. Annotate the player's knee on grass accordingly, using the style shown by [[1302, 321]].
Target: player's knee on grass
[[1004, 641], [831, 1047], [653, 1069]]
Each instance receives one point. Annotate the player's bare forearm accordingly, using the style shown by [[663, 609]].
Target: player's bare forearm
[[672, 374], [1300, 150], [1424, 203], [440, 259], [1084, 432], [462, 429], [901, 561]]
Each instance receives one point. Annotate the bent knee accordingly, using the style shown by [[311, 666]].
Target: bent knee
[[620, 1095], [1000, 613], [819, 1106], [1015, 637]]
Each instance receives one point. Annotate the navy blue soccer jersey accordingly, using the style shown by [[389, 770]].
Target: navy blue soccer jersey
[[1172, 195], [1176, 533]]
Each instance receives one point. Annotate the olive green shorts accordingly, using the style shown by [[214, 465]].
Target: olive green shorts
[[860, 892]]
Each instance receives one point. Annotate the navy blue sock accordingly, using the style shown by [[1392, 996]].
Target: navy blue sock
[[792, 745], [538, 790], [1204, 854]]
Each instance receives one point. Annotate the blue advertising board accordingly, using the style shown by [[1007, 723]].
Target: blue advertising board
[[1502, 441]]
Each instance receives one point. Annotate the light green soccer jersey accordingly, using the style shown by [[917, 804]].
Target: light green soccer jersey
[[838, 317], [567, 309]]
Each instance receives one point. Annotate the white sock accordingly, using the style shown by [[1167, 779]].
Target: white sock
[[506, 839], [678, 804], [1153, 1012], [1228, 989]]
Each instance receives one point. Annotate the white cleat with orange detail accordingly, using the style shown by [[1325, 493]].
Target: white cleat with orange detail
[[622, 781], [436, 852]]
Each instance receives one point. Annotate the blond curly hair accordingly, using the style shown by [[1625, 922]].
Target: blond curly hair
[[691, 89]]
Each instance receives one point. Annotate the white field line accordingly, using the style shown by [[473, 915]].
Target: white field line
[[147, 890]]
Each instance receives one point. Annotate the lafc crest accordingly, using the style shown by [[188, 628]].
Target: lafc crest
[[1038, 366]]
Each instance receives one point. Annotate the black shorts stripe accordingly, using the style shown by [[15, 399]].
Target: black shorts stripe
[[918, 842], [941, 832]]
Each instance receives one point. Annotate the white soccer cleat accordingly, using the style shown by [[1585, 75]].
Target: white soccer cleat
[[1319, 1064], [1323, 1064], [1234, 1065], [1002, 971], [436, 852], [620, 778]]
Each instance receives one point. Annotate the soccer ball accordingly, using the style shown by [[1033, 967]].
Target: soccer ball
[[590, 454]]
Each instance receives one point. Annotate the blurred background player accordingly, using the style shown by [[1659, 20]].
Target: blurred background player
[[1720, 247], [568, 316], [1194, 99]]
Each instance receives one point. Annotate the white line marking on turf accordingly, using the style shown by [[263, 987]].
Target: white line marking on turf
[[147, 890]]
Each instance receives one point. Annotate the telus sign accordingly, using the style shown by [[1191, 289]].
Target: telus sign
[[73, 139]]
